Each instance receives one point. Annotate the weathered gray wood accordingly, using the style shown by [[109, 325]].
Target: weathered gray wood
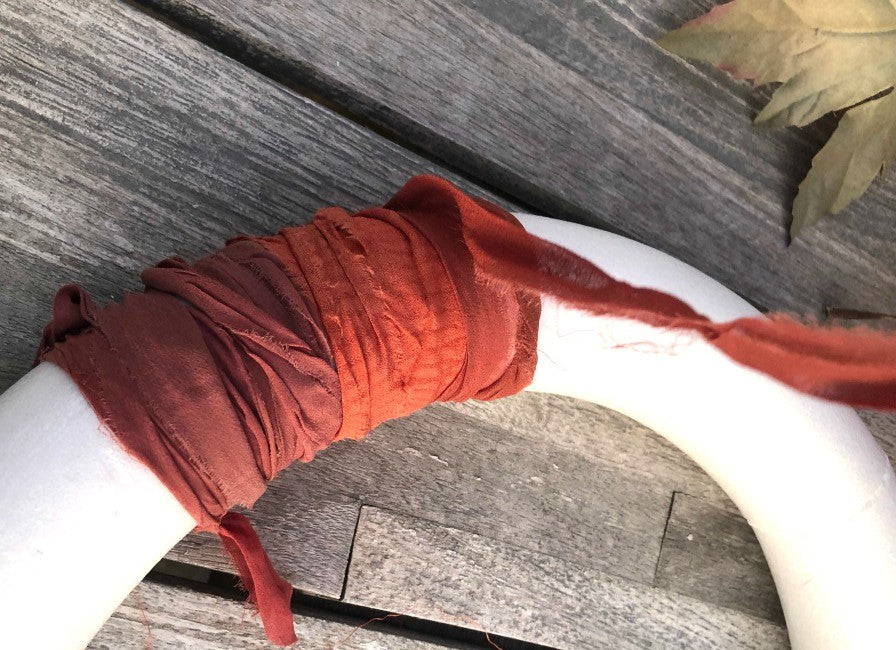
[[162, 617], [883, 426], [132, 142], [713, 555], [599, 433], [420, 568], [572, 107], [307, 534], [459, 471], [723, 563], [125, 141]]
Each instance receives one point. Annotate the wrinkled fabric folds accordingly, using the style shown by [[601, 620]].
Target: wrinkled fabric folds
[[222, 373], [410, 320]]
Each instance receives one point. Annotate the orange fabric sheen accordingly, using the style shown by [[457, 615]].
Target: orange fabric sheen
[[854, 367], [224, 372], [406, 314]]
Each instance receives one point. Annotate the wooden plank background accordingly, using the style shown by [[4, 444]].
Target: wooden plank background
[[163, 617], [137, 131], [571, 106], [476, 580]]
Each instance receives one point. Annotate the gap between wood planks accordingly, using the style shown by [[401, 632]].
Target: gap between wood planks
[[224, 585], [351, 550], [304, 81], [366, 112], [659, 556]]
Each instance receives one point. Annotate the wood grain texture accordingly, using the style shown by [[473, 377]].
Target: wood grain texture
[[414, 566], [602, 434], [883, 426], [165, 617], [306, 533], [571, 106], [713, 555], [126, 142], [133, 142], [458, 471]]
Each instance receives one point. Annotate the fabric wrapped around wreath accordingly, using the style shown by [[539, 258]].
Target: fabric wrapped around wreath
[[222, 373]]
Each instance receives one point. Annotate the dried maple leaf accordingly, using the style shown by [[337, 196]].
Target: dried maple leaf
[[829, 55]]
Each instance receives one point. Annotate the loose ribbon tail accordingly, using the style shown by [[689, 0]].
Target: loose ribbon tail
[[853, 367], [325, 330], [267, 589]]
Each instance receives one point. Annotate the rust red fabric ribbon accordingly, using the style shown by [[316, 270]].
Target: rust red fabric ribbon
[[222, 373]]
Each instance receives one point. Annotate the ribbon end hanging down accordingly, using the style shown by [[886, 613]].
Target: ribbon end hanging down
[[267, 589]]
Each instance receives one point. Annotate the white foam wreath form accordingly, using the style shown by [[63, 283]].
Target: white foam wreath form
[[83, 521], [808, 476]]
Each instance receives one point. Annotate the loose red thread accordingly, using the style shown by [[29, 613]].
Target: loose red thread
[[379, 619], [484, 631], [147, 644], [386, 617], [472, 621], [223, 372]]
